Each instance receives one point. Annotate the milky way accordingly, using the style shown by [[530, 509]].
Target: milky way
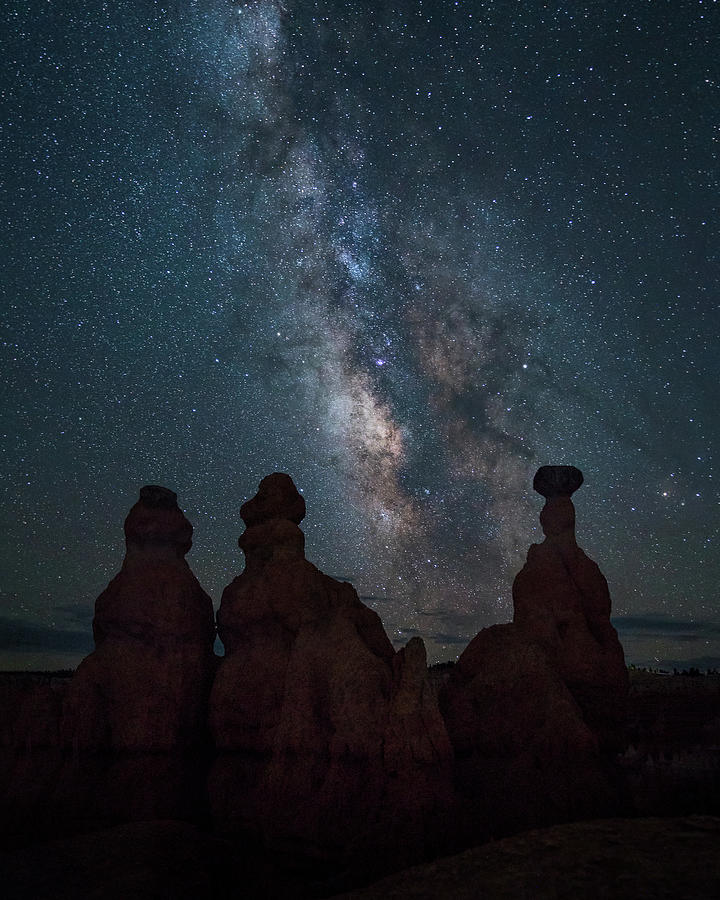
[[406, 255]]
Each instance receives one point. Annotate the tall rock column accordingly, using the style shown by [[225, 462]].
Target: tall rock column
[[561, 601], [139, 701], [535, 708], [331, 744]]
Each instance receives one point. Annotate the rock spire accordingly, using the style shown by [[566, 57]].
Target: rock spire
[[535, 708], [330, 740], [562, 602], [145, 686]]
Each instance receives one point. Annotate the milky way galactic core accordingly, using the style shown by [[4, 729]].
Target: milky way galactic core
[[407, 255]]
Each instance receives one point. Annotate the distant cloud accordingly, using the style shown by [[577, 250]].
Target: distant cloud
[[437, 637], [665, 642], [441, 638], [407, 632], [72, 612], [35, 637], [372, 600], [666, 627], [703, 663]]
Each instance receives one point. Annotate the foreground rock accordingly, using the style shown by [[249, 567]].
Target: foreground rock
[[622, 859], [331, 744]]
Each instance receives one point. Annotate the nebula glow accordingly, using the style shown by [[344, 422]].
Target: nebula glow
[[405, 254]]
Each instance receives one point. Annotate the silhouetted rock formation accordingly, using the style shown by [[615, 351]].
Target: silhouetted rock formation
[[126, 738], [312, 740], [145, 686], [531, 707], [561, 601], [135, 712], [331, 743]]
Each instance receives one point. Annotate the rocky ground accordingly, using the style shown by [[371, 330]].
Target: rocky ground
[[617, 859]]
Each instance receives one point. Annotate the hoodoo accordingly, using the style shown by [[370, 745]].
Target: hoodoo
[[535, 708], [136, 709], [145, 686], [330, 743], [561, 601]]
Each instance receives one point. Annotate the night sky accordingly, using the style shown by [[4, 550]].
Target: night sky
[[406, 255]]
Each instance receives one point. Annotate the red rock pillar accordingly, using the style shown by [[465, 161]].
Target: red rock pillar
[[139, 701], [330, 744], [561, 601]]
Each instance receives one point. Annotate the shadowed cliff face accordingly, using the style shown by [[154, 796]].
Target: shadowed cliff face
[[331, 741], [125, 739], [134, 715]]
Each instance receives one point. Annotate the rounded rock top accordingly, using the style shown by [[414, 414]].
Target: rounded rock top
[[277, 498], [557, 481], [154, 495], [156, 520]]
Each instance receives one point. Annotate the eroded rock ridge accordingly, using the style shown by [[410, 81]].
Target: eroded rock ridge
[[313, 737]]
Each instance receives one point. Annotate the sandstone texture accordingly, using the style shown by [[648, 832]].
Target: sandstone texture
[[329, 740], [535, 708], [126, 738], [524, 756], [561, 601], [145, 686]]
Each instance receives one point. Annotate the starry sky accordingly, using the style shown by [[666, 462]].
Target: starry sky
[[406, 255]]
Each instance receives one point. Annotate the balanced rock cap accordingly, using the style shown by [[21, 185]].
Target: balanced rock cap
[[277, 498], [557, 481]]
